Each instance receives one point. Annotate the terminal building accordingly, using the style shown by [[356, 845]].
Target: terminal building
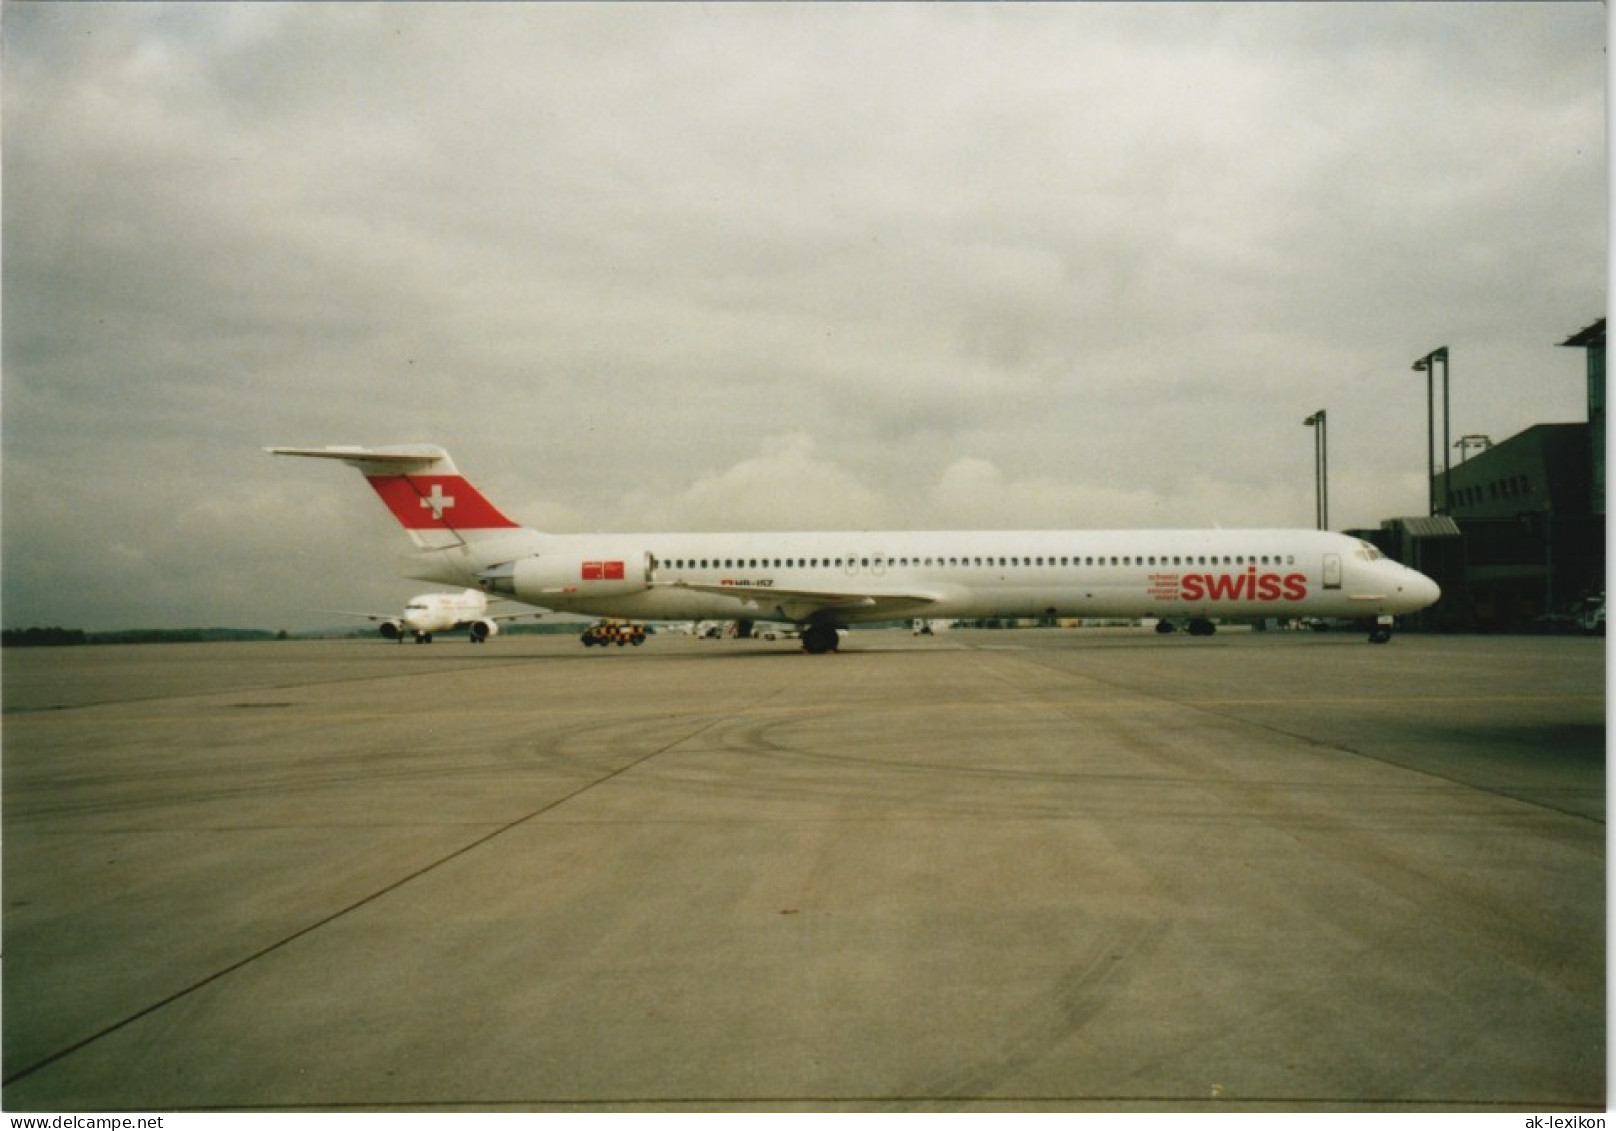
[[1517, 537]]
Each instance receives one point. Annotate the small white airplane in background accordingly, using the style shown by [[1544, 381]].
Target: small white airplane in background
[[432, 613], [823, 582]]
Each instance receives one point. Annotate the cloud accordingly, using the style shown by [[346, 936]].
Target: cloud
[[766, 265], [787, 485]]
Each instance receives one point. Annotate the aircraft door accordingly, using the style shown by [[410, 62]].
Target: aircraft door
[[1332, 571]]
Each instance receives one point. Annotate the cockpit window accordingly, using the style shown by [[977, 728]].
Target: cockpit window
[[1367, 552]]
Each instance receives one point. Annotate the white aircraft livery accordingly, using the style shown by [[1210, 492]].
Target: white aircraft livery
[[431, 613], [824, 581]]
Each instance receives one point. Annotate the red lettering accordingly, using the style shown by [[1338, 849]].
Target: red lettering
[[1247, 586]]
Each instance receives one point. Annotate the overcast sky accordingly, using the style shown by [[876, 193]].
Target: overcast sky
[[728, 266]]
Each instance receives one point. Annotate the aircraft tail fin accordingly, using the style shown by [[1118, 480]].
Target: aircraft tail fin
[[436, 505]]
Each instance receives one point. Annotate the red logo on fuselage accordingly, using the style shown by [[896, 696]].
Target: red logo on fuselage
[[1248, 586], [603, 571]]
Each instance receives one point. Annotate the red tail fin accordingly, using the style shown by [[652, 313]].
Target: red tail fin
[[420, 484], [437, 502]]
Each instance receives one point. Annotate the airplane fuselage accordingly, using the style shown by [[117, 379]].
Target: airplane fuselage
[[823, 580], [444, 612], [889, 575]]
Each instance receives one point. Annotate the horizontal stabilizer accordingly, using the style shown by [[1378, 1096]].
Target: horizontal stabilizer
[[415, 454]]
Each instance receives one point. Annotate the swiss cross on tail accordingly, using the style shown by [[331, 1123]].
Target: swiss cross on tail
[[425, 491], [437, 502]]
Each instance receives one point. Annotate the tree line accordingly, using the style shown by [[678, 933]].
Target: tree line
[[67, 637]]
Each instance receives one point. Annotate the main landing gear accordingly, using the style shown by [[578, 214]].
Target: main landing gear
[[817, 639], [1198, 626]]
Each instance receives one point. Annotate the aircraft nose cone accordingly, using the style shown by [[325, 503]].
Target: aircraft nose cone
[[1422, 590]]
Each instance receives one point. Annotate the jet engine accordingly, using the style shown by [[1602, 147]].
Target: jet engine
[[556, 579], [482, 629], [391, 629]]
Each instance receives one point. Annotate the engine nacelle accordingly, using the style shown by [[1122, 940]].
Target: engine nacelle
[[561, 579], [482, 629], [391, 629]]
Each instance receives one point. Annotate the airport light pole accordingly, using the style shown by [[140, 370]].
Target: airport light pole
[[1321, 470], [1427, 366]]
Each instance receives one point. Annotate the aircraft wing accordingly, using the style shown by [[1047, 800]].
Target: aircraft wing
[[803, 604], [367, 616]]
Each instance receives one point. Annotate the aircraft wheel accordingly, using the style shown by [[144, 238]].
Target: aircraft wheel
[[1163, 627], [1380, 634], [819, 639]]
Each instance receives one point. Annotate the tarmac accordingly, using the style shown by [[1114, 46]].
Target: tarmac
[[1056, 870]]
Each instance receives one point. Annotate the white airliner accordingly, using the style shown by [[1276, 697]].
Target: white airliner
[[823, 581], [431, 613]]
